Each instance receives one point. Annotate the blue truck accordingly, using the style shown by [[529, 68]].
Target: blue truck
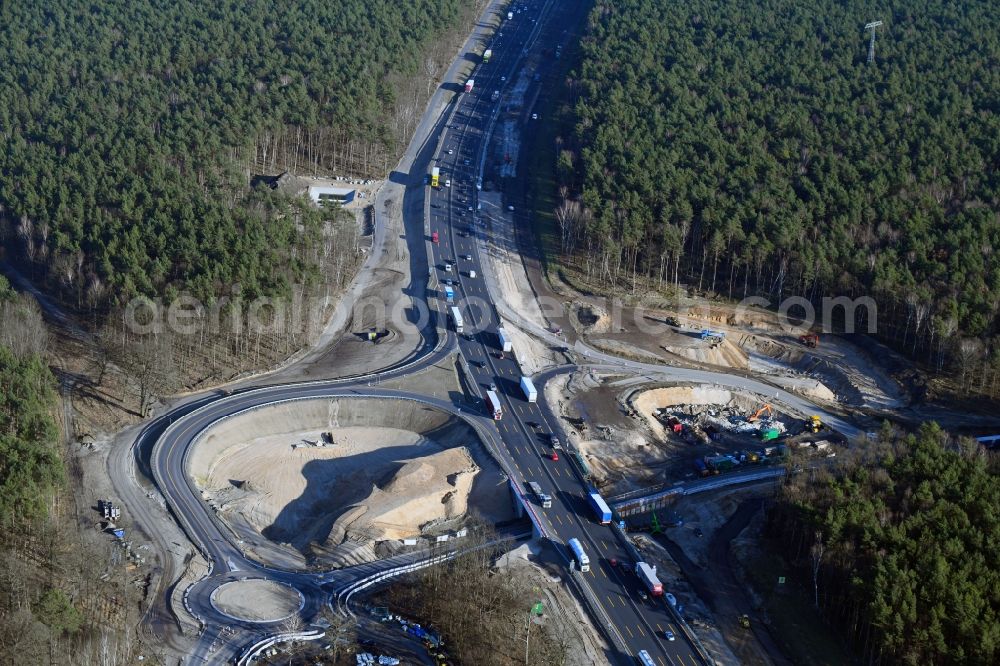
[[449, 294], [601, 509]]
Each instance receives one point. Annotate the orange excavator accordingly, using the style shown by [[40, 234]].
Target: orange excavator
[[766, 409]]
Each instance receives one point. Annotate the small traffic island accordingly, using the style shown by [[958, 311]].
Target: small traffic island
[[257, 600]]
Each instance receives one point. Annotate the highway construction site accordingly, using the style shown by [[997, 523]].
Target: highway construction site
[[331, 482], [634, 433]]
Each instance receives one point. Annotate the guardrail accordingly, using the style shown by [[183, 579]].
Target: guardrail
[[637, 504], [254, 650], [343, 596]]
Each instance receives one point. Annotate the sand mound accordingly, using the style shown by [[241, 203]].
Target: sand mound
[[334, 490], [725, 354], [362, 489], [422, 493], [592, 318]]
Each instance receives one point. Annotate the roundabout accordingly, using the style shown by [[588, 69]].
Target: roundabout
[[257, 600]]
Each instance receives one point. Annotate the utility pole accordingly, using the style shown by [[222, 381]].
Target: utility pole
[[871, 45]]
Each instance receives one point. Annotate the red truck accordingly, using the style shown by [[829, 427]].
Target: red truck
[[435, 238], [647, 575]]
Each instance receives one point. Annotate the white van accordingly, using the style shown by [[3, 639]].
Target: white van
[[472, 274]]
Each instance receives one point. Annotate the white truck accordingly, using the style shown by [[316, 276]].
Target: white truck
[[544, 499], [505, 341], [579, 556], [647, 575], [530, 394], [456, 319]]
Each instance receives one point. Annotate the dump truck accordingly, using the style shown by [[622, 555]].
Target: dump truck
[[505, 341], [707, 334], [530, 394], [510, 16], [487, 54], [469, 85], [543, 498], [647, 575], [601, 509], [436, 177], [493, 405], [809, 340]]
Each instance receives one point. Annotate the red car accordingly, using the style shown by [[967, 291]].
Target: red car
[[500, 355], [555, 456]]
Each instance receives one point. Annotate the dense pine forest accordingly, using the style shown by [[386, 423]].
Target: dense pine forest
[[750, 149], [901, 544], [129, 130]]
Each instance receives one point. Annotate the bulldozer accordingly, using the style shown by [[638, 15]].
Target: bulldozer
[[809, 340], [765, 409], [814, 424]]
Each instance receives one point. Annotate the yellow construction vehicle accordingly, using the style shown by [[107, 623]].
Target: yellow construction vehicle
[[815, 424], [766, 409]]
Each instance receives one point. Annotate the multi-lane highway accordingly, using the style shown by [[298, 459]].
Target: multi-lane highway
[[521, 439], [525, 428]]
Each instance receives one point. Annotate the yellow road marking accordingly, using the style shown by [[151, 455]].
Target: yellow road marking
[[641, 630], [659, 627], [611, 601], [630, 634], [559, 519]]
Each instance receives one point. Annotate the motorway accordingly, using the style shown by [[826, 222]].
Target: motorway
[[461, 224], [520, 440]]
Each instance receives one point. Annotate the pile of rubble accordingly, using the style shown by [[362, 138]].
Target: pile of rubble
[[697, 424]]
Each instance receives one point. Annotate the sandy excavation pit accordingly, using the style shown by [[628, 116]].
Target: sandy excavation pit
[[395, 469]]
